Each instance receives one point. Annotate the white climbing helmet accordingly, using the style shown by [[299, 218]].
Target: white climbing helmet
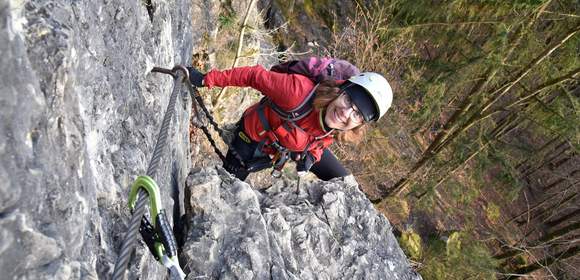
[[378, 87]]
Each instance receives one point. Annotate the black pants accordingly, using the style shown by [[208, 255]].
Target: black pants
[[250, 152]]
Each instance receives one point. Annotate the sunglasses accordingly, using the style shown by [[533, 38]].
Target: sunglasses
[[355, 114]]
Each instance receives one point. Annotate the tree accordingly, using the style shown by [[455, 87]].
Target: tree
[[546, 262]]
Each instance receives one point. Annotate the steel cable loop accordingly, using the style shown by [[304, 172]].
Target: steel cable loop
[[139, 211], [184, 70]]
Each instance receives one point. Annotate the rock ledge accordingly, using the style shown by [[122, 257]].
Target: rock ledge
[[329, 230]]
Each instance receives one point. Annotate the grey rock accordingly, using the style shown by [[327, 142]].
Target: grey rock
[[329, 230], [80, 113], [27, 247]]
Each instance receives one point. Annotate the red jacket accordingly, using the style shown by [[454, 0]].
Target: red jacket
[[285, 90]]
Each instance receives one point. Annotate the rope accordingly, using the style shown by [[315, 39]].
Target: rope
[[131, 235]]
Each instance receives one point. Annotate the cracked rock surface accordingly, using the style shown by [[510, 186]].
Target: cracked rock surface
[[80, 113], [329, 230]]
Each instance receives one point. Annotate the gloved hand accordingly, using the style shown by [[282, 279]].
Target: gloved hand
[[304, 164], [195, 77]]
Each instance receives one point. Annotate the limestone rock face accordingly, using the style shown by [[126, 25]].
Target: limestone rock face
[[328, 231], [80, 113]]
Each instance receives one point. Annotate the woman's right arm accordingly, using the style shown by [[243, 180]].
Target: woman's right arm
[[284, 89]]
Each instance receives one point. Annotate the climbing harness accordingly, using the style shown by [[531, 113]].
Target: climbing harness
[[289, 117], [158, 234], [282, 155]]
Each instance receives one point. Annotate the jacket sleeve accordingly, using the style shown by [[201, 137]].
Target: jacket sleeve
[[286, 90], [317, 150]]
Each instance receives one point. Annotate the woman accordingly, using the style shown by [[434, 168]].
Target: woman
[[340, 109]]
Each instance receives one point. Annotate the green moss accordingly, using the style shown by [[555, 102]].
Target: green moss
[[460, 257], [453, 246], [287, 8], [320, 9], [397, 208], [463, 195], [411, 244], [492, 212]]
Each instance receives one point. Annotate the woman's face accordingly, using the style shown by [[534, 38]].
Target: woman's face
[[342, 114]]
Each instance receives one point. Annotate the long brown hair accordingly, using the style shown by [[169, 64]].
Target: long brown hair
[[327, 92]]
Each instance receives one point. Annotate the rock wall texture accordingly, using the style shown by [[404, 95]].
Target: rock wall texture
[[329, 230], [80, 113]]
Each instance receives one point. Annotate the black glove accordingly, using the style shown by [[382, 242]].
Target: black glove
[[195, 77], [304, 164]]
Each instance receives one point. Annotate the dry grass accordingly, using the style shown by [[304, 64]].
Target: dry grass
[[388, 151]]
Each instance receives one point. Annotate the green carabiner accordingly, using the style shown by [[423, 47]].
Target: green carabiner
[[150, 186]]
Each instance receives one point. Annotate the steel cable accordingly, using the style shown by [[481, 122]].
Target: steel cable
[[143, 197], [131, 235]]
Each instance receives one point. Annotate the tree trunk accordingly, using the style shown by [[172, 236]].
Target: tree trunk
[[544, 239], [553, 184], [560, 233], [502, 90], [564, 146], [561, 162], [504, 126], [560, 256], [556, 222], [216, 100], [538, 205], [570, 75], [524, 166], [542, 216]]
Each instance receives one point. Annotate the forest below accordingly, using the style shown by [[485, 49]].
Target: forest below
[[476, 164]]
